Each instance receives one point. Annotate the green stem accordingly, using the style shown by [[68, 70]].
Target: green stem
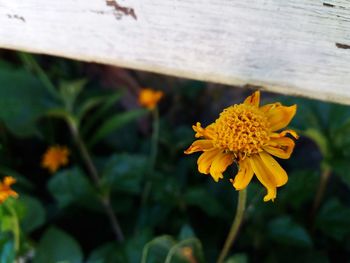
[[84, 153], [242, 198], [153, 156], [326, 172], [15, 230], [155, 138], [105, 201]]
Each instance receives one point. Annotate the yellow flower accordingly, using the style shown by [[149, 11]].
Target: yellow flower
[[55, 157], [149, 98], [5, 188], [247, 135], [187, 252]]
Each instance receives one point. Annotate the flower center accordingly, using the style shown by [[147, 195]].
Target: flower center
[[241, 129]]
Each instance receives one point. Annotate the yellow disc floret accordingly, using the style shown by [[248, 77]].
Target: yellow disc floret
[[241, 129]]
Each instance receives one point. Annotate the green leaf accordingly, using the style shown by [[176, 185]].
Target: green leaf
[[341, 167], [128, 252], [133, 247], [57, 246], [340, 137], [114, 123], [165, 249], [320, 139], [34, 215], [12, 211], [157, 249], [338, 117], [72, 186], [107, 101], [7, 223], [62, 114], [70, 91], [285, 230], [23, 99], [124, 172], [186, 251], [237, 258], [203, 199], [107, 253], [30, 63], [333, 219], [300, 189]]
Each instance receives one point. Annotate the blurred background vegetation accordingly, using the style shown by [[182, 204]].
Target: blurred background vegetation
[[167, 211]]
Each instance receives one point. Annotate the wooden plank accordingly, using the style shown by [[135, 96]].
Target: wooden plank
[[292, 47]]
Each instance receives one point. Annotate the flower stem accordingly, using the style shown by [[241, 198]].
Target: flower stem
[[16, 226], [153, 156], [242, 198], [105, 201], [326, 172], [155, 138]]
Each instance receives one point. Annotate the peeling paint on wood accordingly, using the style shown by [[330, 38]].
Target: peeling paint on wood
[[124, 10], [343, 46], [292, 47]]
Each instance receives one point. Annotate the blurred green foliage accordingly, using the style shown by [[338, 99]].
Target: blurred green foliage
[[168, 212]]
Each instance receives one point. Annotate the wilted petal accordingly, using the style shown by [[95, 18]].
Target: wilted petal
[[253, 99], [244, 175], [219, 165], [280, 147], [284, 133], [200, 145]]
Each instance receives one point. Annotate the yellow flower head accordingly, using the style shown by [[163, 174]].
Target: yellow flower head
[[247, 135], [187, 252], [5, 188], [55, 157], [149, 98]]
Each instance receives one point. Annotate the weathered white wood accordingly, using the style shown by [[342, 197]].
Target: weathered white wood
[[285, 46]]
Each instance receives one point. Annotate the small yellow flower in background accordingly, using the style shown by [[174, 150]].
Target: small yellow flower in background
[[247, 135], [187, 252], [149, 98], [55, 157], [5, 188]]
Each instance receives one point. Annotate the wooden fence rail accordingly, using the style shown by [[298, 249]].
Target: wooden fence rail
[[292, 47]]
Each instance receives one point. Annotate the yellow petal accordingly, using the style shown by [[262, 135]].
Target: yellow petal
[[272, 166], [203, 132], [280, 147], [253, 99], [3, 197], [279, 116], [12, 193], [244, 175], [149, 98], [199, 145], [219, 165], [9, 180], [206, 159], [264, 176]]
